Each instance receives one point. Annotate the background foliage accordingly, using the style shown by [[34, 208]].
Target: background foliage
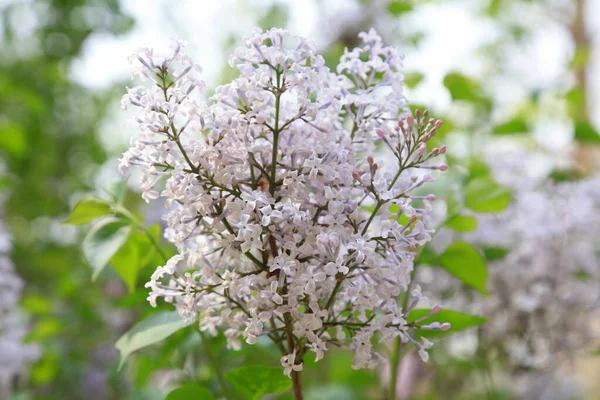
[[82, 299]]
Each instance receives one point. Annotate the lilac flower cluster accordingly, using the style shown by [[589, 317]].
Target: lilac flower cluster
[[281, 216]]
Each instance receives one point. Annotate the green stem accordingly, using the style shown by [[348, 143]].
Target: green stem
[[395, 362], [396, 355], [275, 135], [296, 375], [334, 293], [187, 159], [215, 364], [377, 207]]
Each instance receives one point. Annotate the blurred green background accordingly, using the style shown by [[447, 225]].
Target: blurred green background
[[526, 71]]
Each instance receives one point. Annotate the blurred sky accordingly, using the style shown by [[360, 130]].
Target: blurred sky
[[452, 37]]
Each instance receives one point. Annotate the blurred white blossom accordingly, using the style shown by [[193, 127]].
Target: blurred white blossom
[[543, 298], [14, 353]]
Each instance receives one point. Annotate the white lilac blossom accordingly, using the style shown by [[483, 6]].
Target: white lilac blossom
[[278, 210], [14, 353]]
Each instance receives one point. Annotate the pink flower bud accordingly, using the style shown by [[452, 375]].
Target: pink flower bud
[[355, 176], [430, 197], [434, 326], [443, 167], [436, 309], [380, 132], [410, 120], [426, 113], [418, 112], [443, 149], [423, 148], [370, 160], [438, 124], [445, 326]]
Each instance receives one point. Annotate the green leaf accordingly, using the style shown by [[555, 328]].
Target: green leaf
[[426, 256], [580, 58], [103, 241], [515, 126], [494, 253], [117, 190], [484, 195], [462, 87], [155, 231], [462, 223], [585, 132], [149, 331], [398, 7], [190, 392], [575, 99], [257, 380], [412, 79], [478, 169], [5, 182], [562, 175], [13, 138], [134, 255], [126, 260], [87, 210], [459, 321], [465, 263]]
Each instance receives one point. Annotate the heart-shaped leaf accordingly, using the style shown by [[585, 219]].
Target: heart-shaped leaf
[[151, 330], [103, 241], [87, 210]]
